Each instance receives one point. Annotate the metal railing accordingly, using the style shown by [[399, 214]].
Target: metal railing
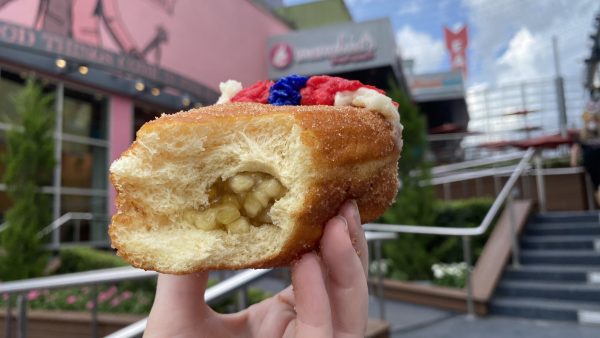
[[74, 218], [94, 278], [56, 225], [466, 233]]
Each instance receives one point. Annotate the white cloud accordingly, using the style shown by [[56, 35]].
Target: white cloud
[[427, 52], [521, 60], [513, 38], [409, 9]]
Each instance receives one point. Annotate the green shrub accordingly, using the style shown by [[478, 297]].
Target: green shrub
[[411, 255], [78, 259], [29, 161]]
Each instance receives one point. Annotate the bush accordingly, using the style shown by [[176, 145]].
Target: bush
[[29, 161], [411, 256], [78, 259]]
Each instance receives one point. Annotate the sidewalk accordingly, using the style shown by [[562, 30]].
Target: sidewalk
[[414, 321]]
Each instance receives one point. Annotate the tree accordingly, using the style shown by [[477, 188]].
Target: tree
[[415, 203], [29, 161]]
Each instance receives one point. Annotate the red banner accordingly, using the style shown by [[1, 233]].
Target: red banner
[[456, 43]]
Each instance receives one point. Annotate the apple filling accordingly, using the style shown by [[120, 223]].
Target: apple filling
[[237, 204]]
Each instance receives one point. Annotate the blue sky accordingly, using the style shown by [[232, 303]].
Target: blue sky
[[510, 40]]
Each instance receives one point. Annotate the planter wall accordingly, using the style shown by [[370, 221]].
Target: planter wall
[[67, 324]]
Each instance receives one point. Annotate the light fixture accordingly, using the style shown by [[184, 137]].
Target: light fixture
[[61, 63], [139, 86], [185, 100], [155, 91], [83, 70]]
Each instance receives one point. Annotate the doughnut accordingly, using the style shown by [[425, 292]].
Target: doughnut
[[250, 182]]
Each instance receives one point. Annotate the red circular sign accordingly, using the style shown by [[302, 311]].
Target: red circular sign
[[281, 55]]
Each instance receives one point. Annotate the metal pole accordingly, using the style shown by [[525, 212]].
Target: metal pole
[[541, 188], [22, 319], [496, 184], [560, 90], [8, 318], [94, 310], [466, 242], [77, 230], [513, 230], [59, 107], [242, 298], [589, 188], [446, 192], [379, 280]]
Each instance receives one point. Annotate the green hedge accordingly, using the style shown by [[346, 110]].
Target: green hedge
[[411, 256], [77, 259]]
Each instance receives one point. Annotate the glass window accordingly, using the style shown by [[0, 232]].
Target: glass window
[[84, 166], [84, 115]]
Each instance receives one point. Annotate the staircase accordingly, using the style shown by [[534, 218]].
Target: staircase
[[559, 277]]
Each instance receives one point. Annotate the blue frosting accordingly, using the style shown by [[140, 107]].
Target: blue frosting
[[286, 91]]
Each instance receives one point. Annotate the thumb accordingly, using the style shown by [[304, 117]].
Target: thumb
[[179, 299]]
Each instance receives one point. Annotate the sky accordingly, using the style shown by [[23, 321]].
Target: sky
[[509, 40]]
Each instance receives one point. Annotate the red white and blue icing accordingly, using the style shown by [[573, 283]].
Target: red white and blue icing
[[297, 90]]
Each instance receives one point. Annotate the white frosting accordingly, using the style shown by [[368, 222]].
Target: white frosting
[[229, 89], [373, 101]]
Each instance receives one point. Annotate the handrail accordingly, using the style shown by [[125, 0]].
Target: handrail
[[138, 327], [483, 226], [467, 233], [224, 288], [76, 279], [59, 222], [476, 163], [211, 295]]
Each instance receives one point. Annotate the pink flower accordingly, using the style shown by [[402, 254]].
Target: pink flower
[[33, 295], [71, 299], [115, 302], [85, 290], [126, 295], [89, 305], [108, 294]]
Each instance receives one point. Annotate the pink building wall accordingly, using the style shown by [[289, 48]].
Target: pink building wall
[[206, 40], [120, 111]]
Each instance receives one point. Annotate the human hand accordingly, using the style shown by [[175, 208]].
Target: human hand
[[328, 296]]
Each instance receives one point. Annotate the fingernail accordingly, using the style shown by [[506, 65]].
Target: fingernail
[[344, 221], [355, 212]]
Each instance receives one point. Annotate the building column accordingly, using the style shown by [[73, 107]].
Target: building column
[[121, 135]]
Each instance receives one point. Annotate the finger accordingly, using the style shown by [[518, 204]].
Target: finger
[[179, 301], [312, 303], [357, 235], [347, 283]]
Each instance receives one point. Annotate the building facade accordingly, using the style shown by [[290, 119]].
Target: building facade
[[112, 66]]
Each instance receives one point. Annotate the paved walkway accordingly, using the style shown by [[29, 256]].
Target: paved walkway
[[414, 321]]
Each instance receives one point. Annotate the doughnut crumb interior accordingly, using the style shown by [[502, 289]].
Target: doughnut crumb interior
[[247, 185]]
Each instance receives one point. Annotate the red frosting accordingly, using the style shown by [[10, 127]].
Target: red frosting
[[321, 89], [258, 92]]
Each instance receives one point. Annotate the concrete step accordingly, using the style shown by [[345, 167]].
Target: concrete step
[[561, 229], [560, 257], [577, 292], [553, 273], [570, 216], [546, 309], [532, 225], [560, 243]]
